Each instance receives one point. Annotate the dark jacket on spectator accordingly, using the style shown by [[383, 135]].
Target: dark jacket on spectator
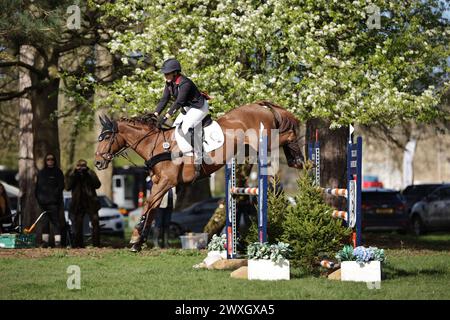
[[83, 184], [49, 186]]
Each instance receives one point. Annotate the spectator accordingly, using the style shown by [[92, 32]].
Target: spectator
[[82, 181], [49, 195], [162, 220], [5, 210]]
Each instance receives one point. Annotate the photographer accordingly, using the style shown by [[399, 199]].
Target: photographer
[[83, 182]]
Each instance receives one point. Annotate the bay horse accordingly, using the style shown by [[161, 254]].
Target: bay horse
[[156, 145]]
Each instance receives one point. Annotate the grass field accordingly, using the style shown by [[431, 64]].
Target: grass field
[[418, 268]]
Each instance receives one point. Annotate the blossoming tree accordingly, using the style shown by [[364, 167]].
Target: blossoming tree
[[333, 63]]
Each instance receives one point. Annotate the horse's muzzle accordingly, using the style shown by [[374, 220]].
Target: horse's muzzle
[[101, 165]]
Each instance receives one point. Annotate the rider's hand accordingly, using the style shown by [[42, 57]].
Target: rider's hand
[[161, 122]]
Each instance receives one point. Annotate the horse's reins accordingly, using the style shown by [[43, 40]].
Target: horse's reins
[[109, 157]]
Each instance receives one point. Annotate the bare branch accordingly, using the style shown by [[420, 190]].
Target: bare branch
[[7, 64], [4, 96]]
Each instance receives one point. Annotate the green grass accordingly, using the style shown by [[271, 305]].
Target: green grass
[[419, 272]]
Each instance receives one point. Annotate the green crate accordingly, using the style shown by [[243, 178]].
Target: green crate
[[15, 241]]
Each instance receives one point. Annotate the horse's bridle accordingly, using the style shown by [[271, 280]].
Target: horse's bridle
[[108, 156]]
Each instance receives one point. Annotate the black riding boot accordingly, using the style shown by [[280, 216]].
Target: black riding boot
[[197, 148]]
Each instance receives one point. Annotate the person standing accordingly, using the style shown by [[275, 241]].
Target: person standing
[[49, 195], [162, 219], [83, 181]]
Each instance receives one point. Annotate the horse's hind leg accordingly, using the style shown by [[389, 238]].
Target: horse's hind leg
[[141, 230]]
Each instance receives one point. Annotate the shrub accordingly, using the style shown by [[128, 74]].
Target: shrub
[[309, 227]]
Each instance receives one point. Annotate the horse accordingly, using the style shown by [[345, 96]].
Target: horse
[[158, 145]]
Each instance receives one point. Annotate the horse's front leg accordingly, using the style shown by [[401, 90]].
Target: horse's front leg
[[141, 230]]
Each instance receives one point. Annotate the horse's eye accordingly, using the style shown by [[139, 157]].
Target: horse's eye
[[103, 137]]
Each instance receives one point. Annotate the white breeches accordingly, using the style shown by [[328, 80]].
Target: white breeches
[[192, 117]]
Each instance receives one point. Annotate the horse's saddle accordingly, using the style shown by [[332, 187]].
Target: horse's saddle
[[212, 134]]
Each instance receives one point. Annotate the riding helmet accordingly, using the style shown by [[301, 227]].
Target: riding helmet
[[171, 65]]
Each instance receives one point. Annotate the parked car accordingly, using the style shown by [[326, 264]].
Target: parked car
[[111, 221], [193, 218], [415, 193], [371, 182], [432, 212], [13, 195], [383, 209]]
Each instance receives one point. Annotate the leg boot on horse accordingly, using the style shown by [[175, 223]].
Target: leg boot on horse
[[141, 231], [139, 235]]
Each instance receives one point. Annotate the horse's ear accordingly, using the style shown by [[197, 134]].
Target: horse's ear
[[109, 123], [102, 122]]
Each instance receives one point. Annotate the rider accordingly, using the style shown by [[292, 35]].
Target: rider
[[193, 105]]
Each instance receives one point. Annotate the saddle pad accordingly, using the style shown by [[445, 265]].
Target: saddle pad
[[213, 139]]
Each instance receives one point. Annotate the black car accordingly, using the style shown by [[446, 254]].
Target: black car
[[383, 209], [416, 192], [195, 217]]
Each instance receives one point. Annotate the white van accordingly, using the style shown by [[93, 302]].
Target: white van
[[123, 186]]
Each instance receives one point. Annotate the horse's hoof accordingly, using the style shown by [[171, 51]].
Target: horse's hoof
[[136, 248], [135, 237]]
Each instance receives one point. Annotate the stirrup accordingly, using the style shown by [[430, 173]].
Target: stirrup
[[197, 172]]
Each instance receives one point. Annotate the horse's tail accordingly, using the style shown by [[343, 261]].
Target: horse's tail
[[286, 121]]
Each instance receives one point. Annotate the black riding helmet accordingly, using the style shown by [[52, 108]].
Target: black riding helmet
[[171, 65]]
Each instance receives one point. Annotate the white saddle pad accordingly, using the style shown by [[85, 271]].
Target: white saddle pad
[[212, 140]]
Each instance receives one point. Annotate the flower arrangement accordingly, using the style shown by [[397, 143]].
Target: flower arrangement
[[361, 254], [217, 243], [275, 252]]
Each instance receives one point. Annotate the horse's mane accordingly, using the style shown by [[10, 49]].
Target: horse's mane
[[148, 119]]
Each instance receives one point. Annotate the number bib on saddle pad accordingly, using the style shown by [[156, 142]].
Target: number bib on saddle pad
[[213, 139]]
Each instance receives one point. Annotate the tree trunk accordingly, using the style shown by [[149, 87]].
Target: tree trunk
[[45, 123], [104, 69], [333, 156], [27, 169], [72, 144], [408, 162]]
